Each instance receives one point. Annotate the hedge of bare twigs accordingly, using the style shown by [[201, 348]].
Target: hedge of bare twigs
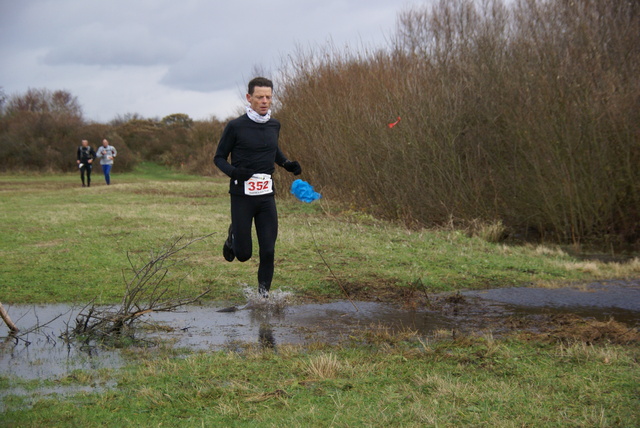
[[526, 112]]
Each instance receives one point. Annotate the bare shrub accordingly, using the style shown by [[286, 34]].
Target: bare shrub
[[524, 113], [145, 292]]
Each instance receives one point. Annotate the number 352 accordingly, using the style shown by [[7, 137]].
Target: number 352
[[256, 186]]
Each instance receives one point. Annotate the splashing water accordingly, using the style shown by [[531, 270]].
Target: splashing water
[[277, 301]]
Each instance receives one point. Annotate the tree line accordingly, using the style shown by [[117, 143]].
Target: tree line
[[40, 130]]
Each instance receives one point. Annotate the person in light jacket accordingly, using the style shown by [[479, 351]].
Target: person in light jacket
[[106, 153]]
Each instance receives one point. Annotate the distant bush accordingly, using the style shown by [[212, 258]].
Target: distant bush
[[34, 128], [41, 129], [197, 156], [525, 113]]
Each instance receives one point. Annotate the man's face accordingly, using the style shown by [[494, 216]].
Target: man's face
[[260, 100], [85, 143], [105, 143]]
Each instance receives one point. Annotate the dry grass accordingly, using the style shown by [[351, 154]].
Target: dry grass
[[549, 251], [323, 366], [573, 329], [598, 269], [494, 231], [442, 334], [583, 351], [382, 334], [266, 396], [628, 269], [446, 386], [586, 267]]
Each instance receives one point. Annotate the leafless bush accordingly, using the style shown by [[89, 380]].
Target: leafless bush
[[524, 113], [145, 292]]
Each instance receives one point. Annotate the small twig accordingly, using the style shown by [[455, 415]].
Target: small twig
[[37, 327], [329, 267], [424, 290]]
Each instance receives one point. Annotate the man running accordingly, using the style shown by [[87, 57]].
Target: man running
[[252, 142], [86, 155], [106, 153]]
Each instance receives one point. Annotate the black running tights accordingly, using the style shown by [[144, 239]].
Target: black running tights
[[262, 211], [86, 167]]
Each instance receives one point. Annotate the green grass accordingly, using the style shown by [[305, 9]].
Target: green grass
[[63, 243], [465, 382]]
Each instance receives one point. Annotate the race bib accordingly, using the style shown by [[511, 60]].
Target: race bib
[[259, 184]]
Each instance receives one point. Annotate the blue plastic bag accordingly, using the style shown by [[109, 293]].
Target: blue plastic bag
[[304, 191]]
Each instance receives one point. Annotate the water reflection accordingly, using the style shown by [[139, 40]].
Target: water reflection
[[265, 337], [265, 317]]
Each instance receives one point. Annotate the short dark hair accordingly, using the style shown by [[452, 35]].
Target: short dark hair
[[259, 81]]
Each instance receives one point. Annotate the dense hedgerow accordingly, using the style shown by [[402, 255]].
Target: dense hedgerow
[[525, 112]]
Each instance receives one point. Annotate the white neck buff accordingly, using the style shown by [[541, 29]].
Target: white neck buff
[[253, 115]]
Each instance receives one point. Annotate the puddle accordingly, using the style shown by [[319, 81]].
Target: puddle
[[203, 328], [47, 356], [31, 396], [200, 328], [619, 300], [327, 322]]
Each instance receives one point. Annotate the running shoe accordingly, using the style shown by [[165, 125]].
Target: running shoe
[[227, 249], [263, 291]]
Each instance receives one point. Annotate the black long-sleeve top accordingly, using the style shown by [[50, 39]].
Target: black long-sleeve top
[[86, 153], [251, 145]]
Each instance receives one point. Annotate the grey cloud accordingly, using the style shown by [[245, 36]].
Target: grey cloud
[[96, 45], [242, 37], [207, 67], [154, 52]]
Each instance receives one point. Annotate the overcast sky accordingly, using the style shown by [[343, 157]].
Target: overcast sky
[[157, 57]]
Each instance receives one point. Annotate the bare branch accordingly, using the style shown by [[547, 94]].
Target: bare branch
[[145, 293], [7, 320]]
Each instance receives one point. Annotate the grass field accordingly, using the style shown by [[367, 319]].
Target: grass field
[[464, 382], [63, 243]]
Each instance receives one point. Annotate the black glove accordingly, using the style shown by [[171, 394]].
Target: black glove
[[241, 174], [293, 166]]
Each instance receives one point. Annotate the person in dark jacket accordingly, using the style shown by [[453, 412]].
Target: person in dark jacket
[[86, 155], [252, 142]]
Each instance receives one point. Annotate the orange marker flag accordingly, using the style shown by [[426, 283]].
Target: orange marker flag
[[391, 125]]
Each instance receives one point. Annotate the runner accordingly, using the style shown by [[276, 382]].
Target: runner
[[86, 155], [252, 142], [106, 153]]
